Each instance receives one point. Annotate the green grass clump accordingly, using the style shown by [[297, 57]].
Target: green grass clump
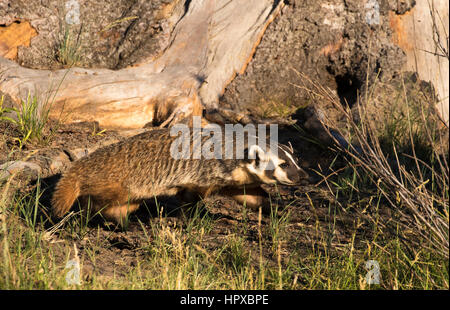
[[68, 53]]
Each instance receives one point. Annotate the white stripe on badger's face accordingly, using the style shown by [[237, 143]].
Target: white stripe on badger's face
[[288, 155]]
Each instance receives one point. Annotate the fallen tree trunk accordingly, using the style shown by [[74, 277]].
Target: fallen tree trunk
[[213, 40]]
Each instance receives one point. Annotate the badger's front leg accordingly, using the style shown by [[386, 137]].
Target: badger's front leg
[[253, 197]]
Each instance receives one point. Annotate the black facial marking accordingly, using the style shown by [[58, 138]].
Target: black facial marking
[[257, 159], [284, 165]]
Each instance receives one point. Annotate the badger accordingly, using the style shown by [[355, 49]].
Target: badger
[[114, 180]]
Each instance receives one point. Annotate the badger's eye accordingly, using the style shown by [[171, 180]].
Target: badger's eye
[[284, 165]]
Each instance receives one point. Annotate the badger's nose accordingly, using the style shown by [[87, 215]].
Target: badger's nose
[[302, 174]]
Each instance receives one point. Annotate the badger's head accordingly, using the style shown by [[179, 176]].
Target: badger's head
[[271, 167]]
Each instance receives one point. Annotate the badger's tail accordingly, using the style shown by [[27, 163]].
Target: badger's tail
[[66, 192]]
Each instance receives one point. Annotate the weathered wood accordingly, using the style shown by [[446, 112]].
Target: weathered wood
[[422, 34], [213, 41]]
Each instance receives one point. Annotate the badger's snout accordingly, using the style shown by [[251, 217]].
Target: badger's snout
[[296, 175]]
